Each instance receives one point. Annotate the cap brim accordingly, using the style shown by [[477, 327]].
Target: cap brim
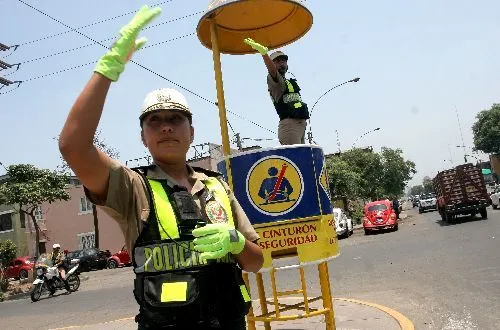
[[159, 107], [281, 56]]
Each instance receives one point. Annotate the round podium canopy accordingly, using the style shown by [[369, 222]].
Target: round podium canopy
[[272, 23]]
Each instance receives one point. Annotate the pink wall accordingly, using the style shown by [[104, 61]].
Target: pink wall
[[64, 222]]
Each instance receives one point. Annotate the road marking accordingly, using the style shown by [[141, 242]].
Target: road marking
[[403, 321]]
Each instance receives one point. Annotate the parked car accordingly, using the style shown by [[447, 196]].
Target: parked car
[[119, 259], [379, 215], [19, 267], [427, 202], [495, 197], [350, 227], [415, 200], [88, 259], [340, 223]]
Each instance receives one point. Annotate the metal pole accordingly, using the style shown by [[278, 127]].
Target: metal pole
[[220, 98], [461, 135]]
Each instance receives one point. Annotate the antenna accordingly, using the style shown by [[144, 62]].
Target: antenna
[[461, 135]]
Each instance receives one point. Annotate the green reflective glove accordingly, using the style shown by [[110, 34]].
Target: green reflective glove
[[113, 62], [215, 240], [258, 47]]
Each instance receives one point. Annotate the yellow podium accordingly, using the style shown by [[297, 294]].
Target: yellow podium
[[283, 190]]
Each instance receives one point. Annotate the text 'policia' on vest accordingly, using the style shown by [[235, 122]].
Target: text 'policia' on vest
[[173, 285], [290, 104]]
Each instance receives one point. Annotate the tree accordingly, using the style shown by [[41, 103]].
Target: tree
[[7, 253], [417, 190], [396, 172], [368, 166], [28, 186], [344, 180], [486, 130], [361, 173], [427, 184], [111, 152]]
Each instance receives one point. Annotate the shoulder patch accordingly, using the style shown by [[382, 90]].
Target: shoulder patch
[[143, 169], [206, 172]]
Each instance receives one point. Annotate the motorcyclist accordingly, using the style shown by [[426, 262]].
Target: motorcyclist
[[57, 257]]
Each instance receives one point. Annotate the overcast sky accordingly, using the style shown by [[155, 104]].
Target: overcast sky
[[418, 62]]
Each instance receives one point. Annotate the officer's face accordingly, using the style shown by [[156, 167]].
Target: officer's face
[[167, 135], [281, 65]]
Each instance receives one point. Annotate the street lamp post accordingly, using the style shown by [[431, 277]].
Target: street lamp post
[[309, 134], [366, 133]]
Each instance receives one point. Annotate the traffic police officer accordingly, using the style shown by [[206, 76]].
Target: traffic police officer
[[285, 94], [189, 236]]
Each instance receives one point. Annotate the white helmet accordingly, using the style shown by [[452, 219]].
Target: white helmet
[[164, 99], [56, 246]]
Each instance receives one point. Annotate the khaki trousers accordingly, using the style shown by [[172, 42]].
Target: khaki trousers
[[292, 131]]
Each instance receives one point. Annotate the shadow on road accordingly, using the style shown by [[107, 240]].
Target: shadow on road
[[379, 232], [458, 220]]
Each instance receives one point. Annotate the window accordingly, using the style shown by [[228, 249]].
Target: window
[[38, 213], [23, 219], [377, 207], [85, 205], [6, 221]]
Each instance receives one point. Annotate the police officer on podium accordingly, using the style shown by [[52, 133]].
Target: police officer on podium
[[285, 93], [189, 236]]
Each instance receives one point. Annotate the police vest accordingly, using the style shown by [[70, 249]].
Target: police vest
[[290, 104], [173, 285]]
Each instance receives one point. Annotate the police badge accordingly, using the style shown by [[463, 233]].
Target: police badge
[[215, 212]]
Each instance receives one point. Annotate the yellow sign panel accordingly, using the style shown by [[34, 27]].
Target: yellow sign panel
[[310, 240], [323, 180], [275, 185]]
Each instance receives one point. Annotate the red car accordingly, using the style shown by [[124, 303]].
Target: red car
[[379, 215], [119, 259], [18, 268]]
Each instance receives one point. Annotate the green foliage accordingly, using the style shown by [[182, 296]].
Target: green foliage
[[396, 172], [29, 187], [417, 190], [7, 253], [486, 130], [427, 184], [358, 173]]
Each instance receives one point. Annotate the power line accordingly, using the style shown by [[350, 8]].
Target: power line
[[92, 44], [10, 90], [140, 65], [88, 25]]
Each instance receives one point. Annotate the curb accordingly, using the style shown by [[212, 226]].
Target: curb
[[403, 321], [27, 294]]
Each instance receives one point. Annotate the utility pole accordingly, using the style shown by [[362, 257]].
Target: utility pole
[[461, 135], [5, 66], [338, 140], [238, 141], [310, 137]]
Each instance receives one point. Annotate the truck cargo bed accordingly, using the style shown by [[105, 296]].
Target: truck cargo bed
[[461, 189]]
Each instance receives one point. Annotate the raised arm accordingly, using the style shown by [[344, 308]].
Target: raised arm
[[76, 138], [271, 68]]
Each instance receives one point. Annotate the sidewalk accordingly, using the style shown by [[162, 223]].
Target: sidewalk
[[348, 315]]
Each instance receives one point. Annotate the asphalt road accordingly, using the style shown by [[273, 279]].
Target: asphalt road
[[440, 276]]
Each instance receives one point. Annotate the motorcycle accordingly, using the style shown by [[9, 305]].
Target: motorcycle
[[49, 280]]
